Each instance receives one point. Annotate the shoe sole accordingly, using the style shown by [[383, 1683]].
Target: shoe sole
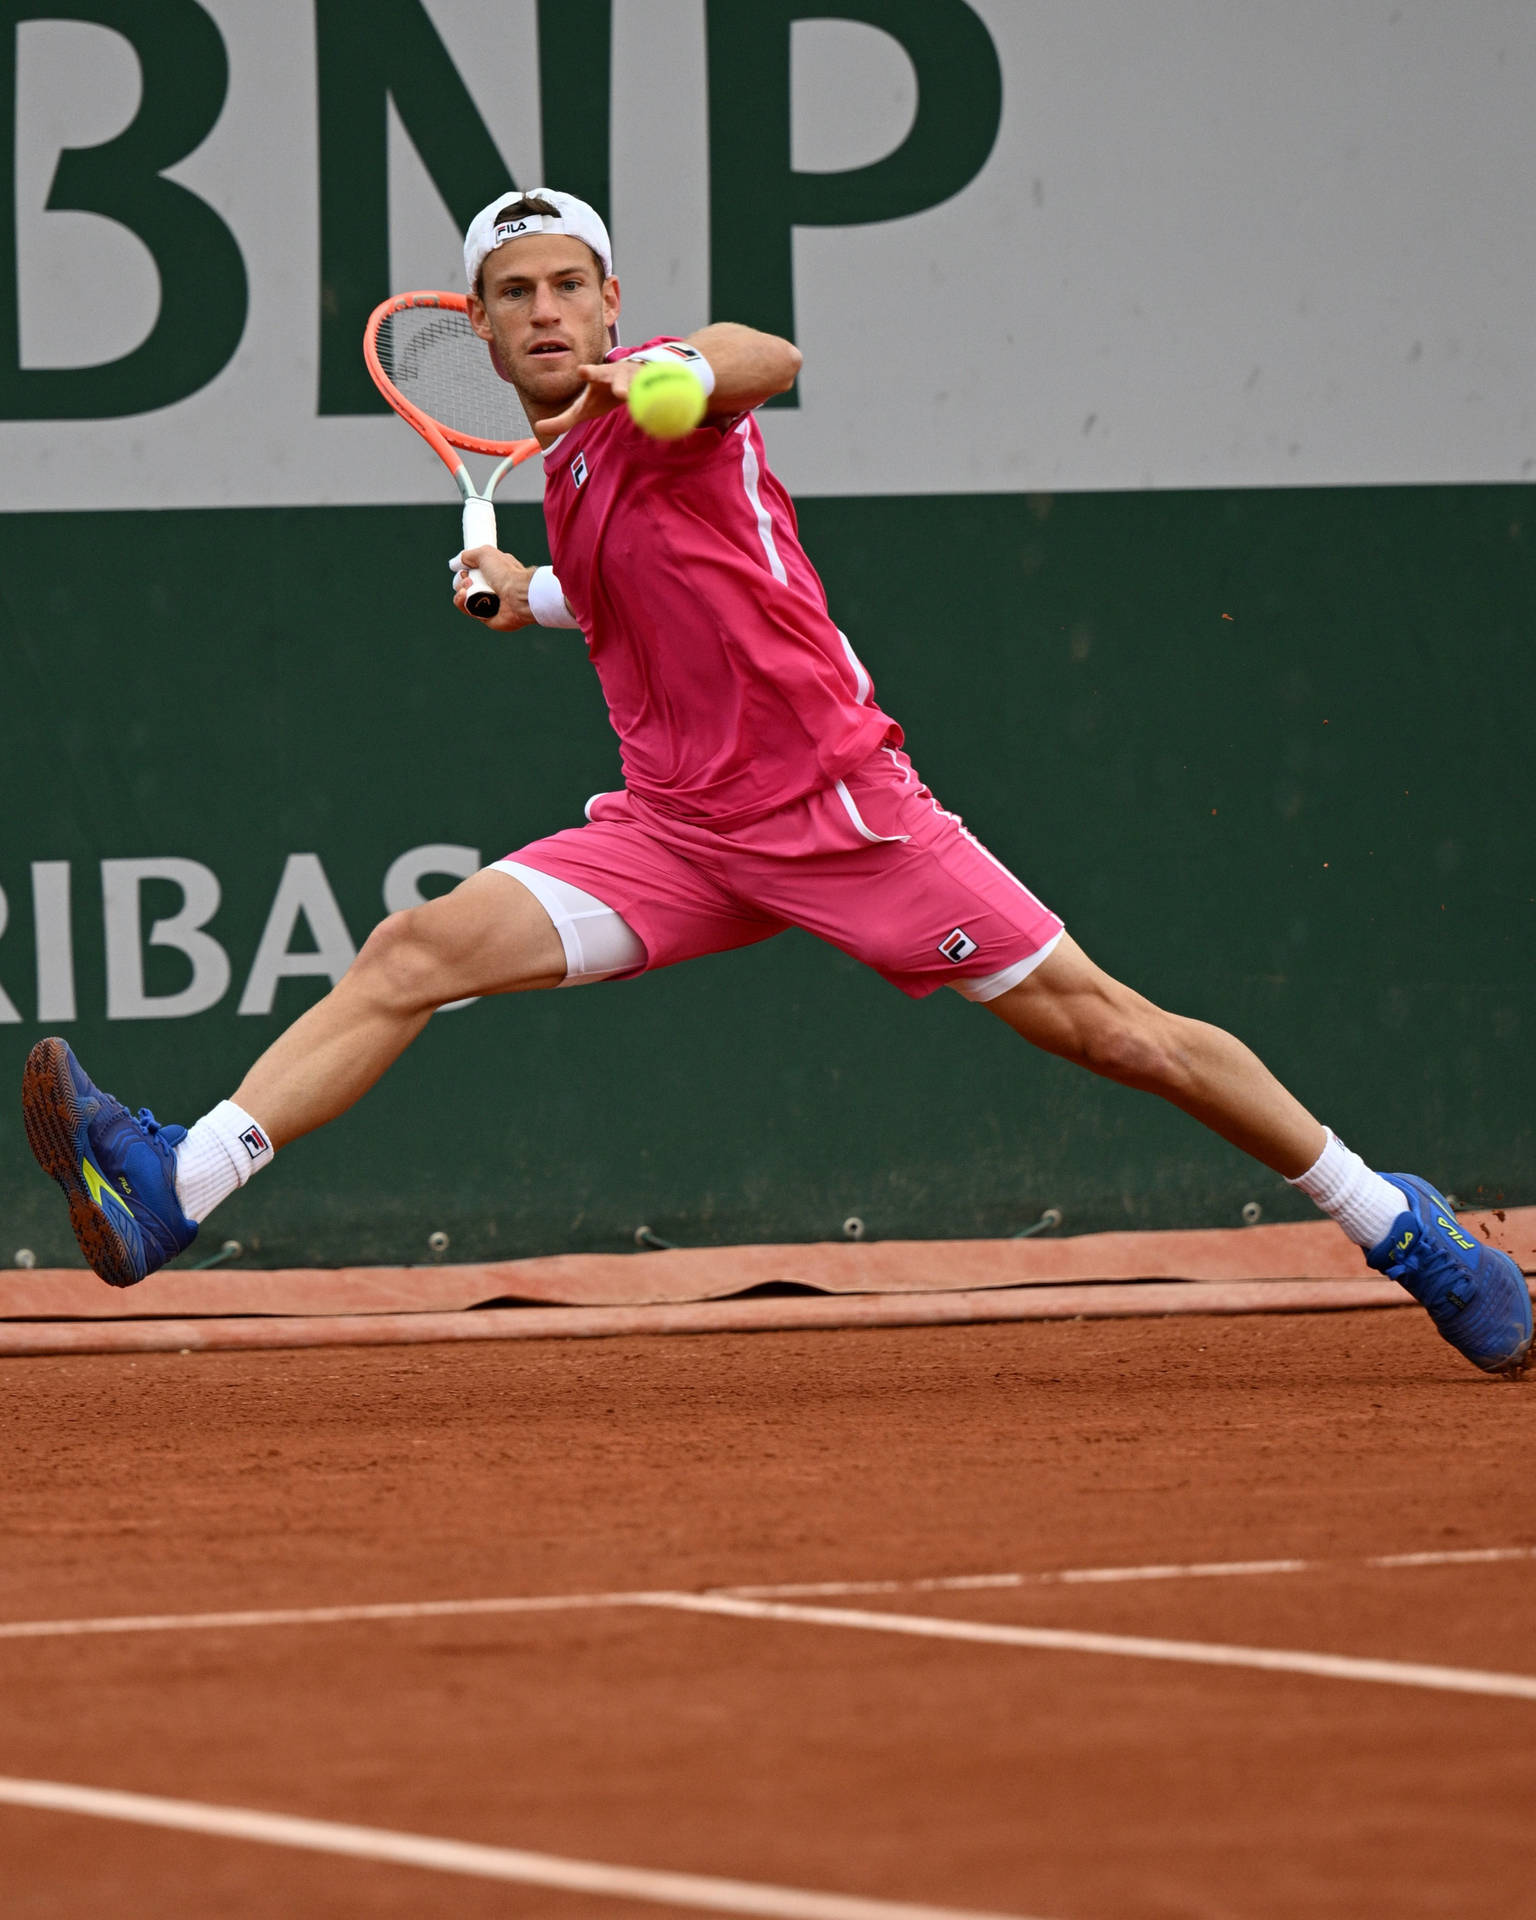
[[51, 1112]]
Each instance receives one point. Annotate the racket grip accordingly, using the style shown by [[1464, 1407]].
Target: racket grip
[[480, 531]]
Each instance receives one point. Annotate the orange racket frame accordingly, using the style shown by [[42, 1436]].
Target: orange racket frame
[[479, 515]]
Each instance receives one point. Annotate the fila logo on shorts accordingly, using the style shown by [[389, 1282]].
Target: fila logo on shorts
[[255, 1142], [579, 470], [958, 945]]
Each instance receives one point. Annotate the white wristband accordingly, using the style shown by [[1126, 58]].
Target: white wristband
[[546, 601], [674, 352]]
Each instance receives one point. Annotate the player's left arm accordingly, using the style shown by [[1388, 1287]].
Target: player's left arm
[[749, 367]]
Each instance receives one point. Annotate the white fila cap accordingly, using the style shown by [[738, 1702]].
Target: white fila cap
[[498, 223]]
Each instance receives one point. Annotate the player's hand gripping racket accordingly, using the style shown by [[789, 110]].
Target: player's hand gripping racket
[[437, 373]]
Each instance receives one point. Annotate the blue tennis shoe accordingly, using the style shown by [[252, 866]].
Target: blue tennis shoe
[[1475, 1295], [117, 1169]]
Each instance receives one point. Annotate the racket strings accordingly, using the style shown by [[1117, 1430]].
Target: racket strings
[[437, 362]]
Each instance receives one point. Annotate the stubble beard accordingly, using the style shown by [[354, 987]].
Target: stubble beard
[[546, 400]]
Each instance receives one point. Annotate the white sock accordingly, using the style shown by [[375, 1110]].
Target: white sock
[[1345, 1188], [219, 1155]]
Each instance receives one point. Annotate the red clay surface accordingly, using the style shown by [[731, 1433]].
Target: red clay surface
[[1071, 1786]]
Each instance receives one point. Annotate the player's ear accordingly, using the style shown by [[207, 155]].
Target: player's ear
[[475, 307], [610, 302]]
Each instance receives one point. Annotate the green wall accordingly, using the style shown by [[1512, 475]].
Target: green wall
[[1306, 821]]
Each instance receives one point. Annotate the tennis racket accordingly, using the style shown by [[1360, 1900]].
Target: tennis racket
[[438, 374]]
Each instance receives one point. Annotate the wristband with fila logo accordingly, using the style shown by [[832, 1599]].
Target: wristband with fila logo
[[679, 353]]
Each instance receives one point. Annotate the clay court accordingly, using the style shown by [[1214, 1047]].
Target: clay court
[[1082, 1619]]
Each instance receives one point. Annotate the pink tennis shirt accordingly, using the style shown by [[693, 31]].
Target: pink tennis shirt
[[732, 691]]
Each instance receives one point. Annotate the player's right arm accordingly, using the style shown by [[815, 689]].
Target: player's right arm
[[507, 578]]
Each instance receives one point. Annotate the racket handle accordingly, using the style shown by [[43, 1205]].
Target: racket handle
[[480, 531]]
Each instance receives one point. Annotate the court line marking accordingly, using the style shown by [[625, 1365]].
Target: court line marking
[[1106, 1576], [1331, 1666], [696, 1890], [313, 1616], [570, 1602]]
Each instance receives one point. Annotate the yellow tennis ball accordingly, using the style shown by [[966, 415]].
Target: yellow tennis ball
[[666, 401]]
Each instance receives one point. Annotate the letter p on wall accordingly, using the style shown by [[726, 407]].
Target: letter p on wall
[[757, 198]]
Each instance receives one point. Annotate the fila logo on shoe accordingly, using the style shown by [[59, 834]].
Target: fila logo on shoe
[[1454, 1231], [99, 1184], [957, 946], [1406, 1242]]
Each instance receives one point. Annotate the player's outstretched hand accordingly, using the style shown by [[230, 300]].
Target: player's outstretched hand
[[607, 387], [506, 576]]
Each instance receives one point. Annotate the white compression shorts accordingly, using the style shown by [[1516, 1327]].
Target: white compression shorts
[[598, 942]]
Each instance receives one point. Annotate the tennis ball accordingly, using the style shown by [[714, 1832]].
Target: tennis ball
[[666, 401]]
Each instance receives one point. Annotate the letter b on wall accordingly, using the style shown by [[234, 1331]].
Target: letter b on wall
[[128, 998], [203, 292]]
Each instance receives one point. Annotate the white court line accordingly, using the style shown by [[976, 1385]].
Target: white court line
[[1461, 1557], [569, 1602], [696, 1890], [312, 1616], [1108, 1576], [974, 1582], [1331, 1666]]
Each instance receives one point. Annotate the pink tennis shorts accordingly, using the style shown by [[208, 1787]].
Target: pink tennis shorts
[[873, 865]]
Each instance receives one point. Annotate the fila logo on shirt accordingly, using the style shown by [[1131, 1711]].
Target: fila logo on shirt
[[579, 470], [255, 1142], [957, 946]]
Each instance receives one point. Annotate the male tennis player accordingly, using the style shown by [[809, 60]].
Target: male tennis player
[[763, 788]]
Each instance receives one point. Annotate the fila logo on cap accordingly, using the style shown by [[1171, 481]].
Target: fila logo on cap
[[579, 469], [958, 945], [507, 229]]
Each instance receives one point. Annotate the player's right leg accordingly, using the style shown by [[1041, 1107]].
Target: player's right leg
[[489, 935], [137, 1190]]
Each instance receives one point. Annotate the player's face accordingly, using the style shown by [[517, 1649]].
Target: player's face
[[546, 308]]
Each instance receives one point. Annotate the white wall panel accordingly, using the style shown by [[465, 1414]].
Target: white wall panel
[[1219, 243]]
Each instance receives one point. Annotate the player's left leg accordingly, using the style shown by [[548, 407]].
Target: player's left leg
[[1476, 1296], [878, 868], [1069, 1006]]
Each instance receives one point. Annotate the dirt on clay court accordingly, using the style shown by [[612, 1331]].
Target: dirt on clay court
[[1062, 1784]]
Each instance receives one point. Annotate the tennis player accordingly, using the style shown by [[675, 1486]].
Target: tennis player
[[764, 787]]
